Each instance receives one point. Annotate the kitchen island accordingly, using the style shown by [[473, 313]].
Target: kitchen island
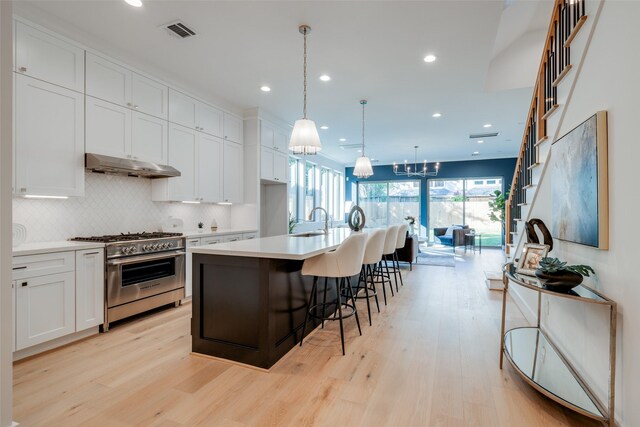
[[249, 297]]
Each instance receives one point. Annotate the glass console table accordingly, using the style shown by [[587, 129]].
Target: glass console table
[[540, 362]]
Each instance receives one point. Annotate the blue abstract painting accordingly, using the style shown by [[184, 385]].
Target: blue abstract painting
[[574, 181]]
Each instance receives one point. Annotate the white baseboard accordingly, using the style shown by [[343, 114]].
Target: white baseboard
[[58, 342]]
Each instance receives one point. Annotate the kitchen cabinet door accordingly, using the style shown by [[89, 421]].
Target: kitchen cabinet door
[[231, 238], [210, 120], [148, 138], [45, 308], [108, 81], [280, 167], [233, 170], [49, 139], [149, 96], [42, 56], [182, 156], [209, 168], [232, 128], [108, 128], [89, 288], [267, 134], [281, 141], [182, 109], [266, 163]]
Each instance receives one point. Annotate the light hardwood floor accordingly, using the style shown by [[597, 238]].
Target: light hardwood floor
[[430, 359]]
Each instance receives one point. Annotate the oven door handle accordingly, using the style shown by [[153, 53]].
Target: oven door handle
[[132, 260]]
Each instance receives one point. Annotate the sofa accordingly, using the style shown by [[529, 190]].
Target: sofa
[[456, 239], [409, 252]]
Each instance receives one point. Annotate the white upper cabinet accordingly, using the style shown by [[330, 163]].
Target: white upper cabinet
[[89, 288], [274, 159], [108, 80], [149, 96], [48, 138], [117, 84], [108, 128], [187, 111], [233, 171], [266, 163], [233, 128], [210, 120], [46, 57], [281, 141], [149, 137], [281, 167], [209, 168], [182, 156], [267, 134]]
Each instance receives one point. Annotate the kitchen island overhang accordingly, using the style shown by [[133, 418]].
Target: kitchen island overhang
[[249, 297]]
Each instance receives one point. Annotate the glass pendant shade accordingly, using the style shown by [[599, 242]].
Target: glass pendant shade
[[363, 167], [305, 138]]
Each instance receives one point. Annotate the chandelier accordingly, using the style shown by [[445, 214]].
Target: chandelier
[[363, 167], [418, 169], [304, 137]]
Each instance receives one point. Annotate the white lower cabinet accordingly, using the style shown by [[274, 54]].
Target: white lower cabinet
[[232, 237], [89, 288], [57, 294], [188, 285], [45, 308]]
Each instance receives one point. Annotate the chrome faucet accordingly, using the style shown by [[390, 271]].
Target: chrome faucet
[[326, 217]]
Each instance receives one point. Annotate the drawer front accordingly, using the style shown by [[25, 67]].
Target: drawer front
[[248, 236], [232, 238], [211, 240], [43, 264]]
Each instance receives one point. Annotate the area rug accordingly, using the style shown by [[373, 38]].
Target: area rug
[[436, 256]]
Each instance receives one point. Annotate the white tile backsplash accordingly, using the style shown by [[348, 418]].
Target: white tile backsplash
[[112, 204]]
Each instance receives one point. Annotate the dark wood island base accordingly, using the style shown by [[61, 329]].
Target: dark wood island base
[[249, 310]]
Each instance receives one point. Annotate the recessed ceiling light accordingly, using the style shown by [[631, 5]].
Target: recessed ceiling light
[[325, 78], [359, 151], [134, 3], [324, 127], [488, 125], [481, 142], [265, 88], [476, 153], [436, 115], [342, 139], [430, 58]]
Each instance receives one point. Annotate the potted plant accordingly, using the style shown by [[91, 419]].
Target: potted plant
[[497, 208], [200, 227], [557, 275], [292, 223], [412, 223]]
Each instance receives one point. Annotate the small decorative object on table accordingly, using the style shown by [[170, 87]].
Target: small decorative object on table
[[412, 224], [558, 276], [531, 256], [214, 225], [200, 227], [357, 218]]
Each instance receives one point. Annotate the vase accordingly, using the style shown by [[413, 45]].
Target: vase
[[412, 229], [561, 281]]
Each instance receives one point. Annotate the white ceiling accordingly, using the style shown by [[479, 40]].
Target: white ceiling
[[372, 50]]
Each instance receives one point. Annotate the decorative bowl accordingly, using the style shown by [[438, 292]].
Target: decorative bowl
[[561, 281]]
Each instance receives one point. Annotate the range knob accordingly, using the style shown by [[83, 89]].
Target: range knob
[[155, 246], [145, 247], [170, 244], [126, 250], [133, 249], [165, 245]]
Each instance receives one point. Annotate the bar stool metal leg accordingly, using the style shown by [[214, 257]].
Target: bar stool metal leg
[[306, 317], [353, 301], [373, 286], [397, 262], [386, 266], [324, 301], [338, 292]]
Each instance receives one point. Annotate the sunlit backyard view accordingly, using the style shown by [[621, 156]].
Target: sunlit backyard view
[[388, 203]]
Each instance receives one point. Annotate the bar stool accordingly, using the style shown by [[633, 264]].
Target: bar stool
[[341, 264], [372, 256], [387, 253], [400, 242]]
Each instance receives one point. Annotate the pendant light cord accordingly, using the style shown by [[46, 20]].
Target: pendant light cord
[[305, 75], [363, 104]]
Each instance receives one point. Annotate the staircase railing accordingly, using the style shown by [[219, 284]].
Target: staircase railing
[[567, 18]]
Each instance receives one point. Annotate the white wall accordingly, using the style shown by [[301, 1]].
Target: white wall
[[6, 306], [606, 80], [112, 205]]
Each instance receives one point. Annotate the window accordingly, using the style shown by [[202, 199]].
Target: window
[[324, 188], [309, 188], [464, 201], [293, 188], [388, 203], [338, 196]]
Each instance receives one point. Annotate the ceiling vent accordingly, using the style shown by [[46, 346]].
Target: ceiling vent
[[179, 29], [483, 135]]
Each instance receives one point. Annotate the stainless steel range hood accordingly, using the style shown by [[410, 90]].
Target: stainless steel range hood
[[128, 167]]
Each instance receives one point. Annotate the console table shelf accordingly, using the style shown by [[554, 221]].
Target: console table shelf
[[535, 357]]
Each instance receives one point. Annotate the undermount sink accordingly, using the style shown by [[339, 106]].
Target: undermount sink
[[309, 234]]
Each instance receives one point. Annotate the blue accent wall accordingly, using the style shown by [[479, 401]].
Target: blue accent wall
[[499, 168]]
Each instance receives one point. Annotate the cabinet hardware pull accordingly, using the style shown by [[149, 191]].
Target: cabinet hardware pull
[[136, 106], [92, 253], [23, 69], [20, 268], [24, 284], [128, 104]]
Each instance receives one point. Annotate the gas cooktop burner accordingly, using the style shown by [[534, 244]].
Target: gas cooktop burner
[[128, 237]]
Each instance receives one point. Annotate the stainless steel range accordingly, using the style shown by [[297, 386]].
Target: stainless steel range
[[142, 271]]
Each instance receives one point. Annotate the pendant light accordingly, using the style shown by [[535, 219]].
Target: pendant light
[[304, 138], [363, 167]]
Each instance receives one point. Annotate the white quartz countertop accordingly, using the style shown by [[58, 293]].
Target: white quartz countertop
[[59, 246], [219, 232], [280, 247]]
